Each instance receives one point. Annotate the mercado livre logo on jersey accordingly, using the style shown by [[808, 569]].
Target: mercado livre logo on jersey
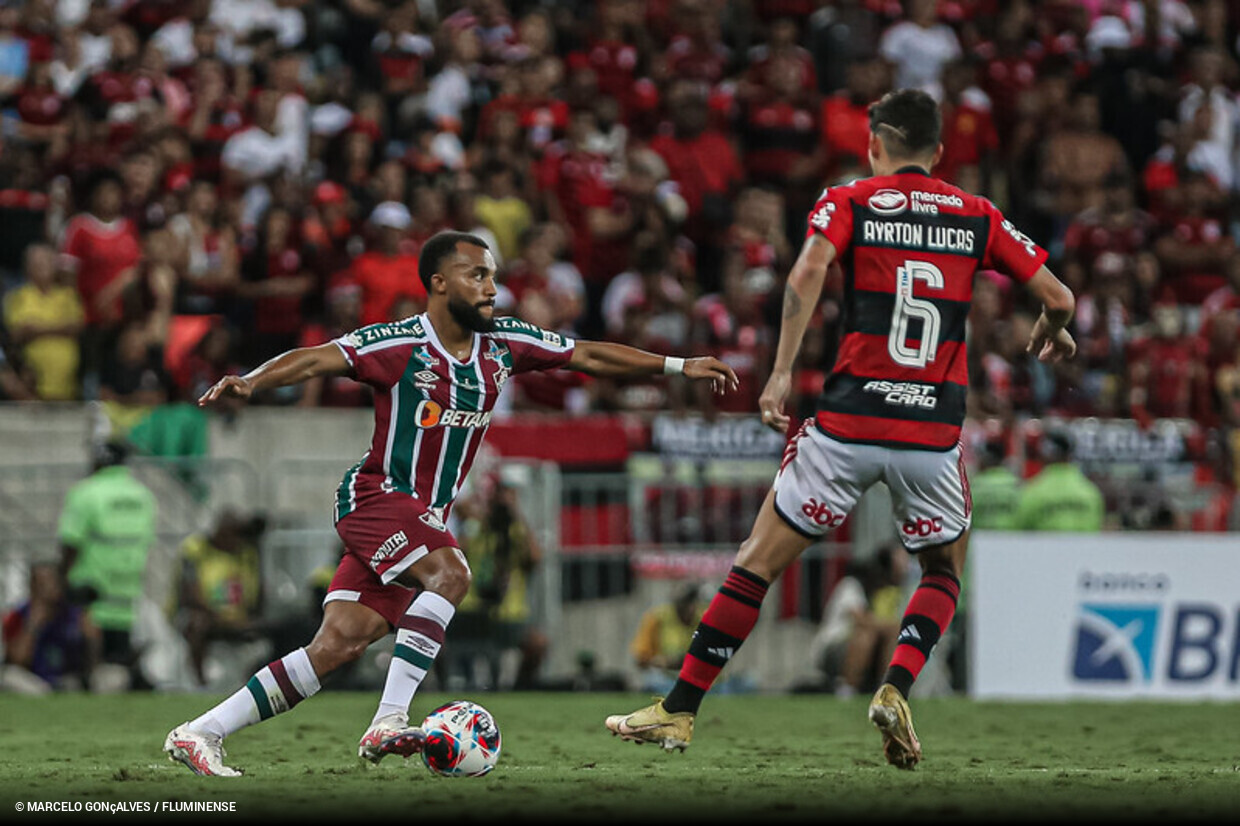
[[432, 414]]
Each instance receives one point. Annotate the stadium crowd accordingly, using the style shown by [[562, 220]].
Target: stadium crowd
[[188, 187]]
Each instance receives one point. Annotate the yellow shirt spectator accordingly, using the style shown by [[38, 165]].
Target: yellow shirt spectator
[[45, 323]]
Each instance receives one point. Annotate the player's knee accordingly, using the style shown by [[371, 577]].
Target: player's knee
[[449, 576], [343, 638], [941, 561]]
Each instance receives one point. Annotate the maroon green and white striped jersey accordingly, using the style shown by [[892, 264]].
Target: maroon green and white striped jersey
[[431, 410]]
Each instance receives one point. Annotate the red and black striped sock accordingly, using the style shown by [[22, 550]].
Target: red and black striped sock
[[725, 625], [929, 612]]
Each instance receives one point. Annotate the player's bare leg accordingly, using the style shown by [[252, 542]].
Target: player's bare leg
[[443, 578], [925, 620], [771, 547]]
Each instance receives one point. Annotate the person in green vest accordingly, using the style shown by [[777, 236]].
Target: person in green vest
[[995, 489], [106, 531], [1060, 497]]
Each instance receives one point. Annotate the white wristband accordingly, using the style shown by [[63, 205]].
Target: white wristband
[[673, 366]]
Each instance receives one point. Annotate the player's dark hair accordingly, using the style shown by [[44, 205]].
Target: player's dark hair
[[908, 121], [441, 245]]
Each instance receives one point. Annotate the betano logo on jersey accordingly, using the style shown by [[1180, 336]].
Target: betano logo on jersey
[[1141, 642], [904, 393], [432, 414]]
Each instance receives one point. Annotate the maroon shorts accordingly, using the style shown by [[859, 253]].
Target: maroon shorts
[[382, 538]]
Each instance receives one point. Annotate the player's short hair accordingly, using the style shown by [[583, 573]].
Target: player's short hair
[[440, 246], [908, 121]]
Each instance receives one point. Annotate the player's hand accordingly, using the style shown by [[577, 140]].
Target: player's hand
[[721, 376], [229, 387], [771, 402], [1051, 347]]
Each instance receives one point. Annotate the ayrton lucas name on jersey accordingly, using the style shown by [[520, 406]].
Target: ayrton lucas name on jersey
[[929, 237]]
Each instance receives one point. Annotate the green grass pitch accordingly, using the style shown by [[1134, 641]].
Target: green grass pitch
[[755, 759]]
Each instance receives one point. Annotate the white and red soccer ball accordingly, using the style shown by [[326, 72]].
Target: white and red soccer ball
[[462, 740]]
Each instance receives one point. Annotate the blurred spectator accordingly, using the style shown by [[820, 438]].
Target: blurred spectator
[[705, 166], [540, 271], [663, 636], [400, 52], [106, 531], [1209, 108], [44, 319], [276, 283], [779, 132], [1194, 247], [696, 51], [343, 316], [1077, 159], [14, 50], [1167, 370], [390, 269], [252, 158], [919, 47], [649, 308], [501, 208], [1060, 497], [102, 249], [328, 231], [995, 488], [206, 252], [455, 88], [1116, 225], [617, 50], [580, 193], [731, 326], [50, 643], [845, 119], [41, 108], [842, 34], [220, 594], [860, 622], [969, 137], [503, 556]]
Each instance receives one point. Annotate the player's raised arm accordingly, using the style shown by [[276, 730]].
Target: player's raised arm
[[291, 367], [603, 358], [1050, 341], [801, 295]]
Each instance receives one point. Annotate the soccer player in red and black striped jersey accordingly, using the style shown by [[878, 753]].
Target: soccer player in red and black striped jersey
[[436, 378], [891, 409]]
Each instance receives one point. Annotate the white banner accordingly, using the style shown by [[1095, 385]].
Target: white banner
[[1106, 615]]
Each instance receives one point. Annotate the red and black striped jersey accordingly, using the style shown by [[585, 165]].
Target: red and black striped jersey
[[909, 245], [432, 410]]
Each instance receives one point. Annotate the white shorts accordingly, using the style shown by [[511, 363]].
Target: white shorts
[[821, 479]]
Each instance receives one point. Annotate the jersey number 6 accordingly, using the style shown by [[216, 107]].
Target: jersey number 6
[[908, 307]]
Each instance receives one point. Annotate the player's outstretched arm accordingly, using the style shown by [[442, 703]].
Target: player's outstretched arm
[[291, 367], [1050, 341], [606, 359], [801, 295]]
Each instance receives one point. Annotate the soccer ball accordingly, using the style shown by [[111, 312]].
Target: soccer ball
[[462, 740]]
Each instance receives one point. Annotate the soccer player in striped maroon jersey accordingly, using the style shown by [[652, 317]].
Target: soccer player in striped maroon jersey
[[891, 409], [436, 378]]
